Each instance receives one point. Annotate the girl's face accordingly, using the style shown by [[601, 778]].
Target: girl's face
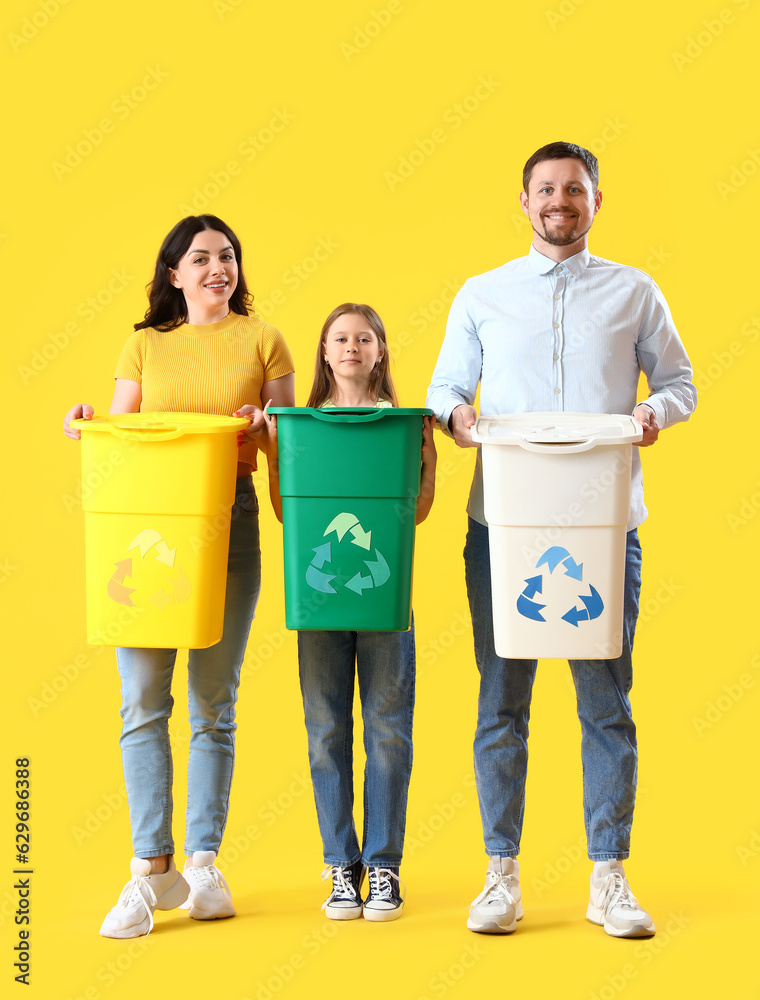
[[207, 275], [351, 347]]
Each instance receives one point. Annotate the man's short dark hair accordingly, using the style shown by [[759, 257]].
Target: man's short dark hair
[[562, 151]]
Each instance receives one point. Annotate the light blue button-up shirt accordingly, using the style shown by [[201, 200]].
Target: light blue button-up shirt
[[542, 336]]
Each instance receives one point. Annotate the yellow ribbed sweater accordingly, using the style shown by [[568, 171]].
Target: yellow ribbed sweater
[[215, 368]]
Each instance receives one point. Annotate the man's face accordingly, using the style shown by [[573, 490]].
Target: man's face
[[560, 202]]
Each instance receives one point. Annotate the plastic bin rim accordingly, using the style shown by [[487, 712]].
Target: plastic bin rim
[[542, 427], [161, 421], [389, 411]]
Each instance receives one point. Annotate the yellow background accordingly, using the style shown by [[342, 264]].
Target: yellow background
[[666, 98]]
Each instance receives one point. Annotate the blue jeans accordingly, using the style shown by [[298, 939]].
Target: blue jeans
[[608, 743], [213, 678], [385, 664]]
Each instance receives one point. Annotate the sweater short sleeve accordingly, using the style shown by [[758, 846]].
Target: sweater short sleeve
[[130, 363], [276, 358]]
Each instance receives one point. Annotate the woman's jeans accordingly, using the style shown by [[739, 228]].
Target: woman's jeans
[[385, 665], [213, 677], [608, 742]]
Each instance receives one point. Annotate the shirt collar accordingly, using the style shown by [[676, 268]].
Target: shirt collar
[[576, 264]]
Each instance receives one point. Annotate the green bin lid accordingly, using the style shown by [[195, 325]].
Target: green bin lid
[[350, 414]]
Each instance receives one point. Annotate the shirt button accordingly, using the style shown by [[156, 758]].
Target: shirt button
[[557, 296], [556, 326], [555, 357], [556, 390]]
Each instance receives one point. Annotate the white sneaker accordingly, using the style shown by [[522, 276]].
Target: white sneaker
[[498, 908], [210, 897], [613, 905], [133, 914]]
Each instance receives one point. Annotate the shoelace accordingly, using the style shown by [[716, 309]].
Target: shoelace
[[380, 885], [343, 886], [617, 892], [133, 893], [208, 877], [499, 886]]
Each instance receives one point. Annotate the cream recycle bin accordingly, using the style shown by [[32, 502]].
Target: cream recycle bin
[[557, 492]]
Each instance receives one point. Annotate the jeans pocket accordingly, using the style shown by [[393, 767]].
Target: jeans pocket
[[246, 504]]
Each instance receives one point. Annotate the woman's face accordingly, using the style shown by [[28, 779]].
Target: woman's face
[[207, 273]]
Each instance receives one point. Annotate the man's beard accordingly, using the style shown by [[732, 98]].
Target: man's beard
[[559, 240]]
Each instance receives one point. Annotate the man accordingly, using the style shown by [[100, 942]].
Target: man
[[558, 330]]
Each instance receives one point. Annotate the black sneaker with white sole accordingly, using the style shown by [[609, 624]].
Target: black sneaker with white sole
[[345, 900], [384, 901]]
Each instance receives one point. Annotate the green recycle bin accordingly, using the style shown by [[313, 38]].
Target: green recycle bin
[[349, 481]]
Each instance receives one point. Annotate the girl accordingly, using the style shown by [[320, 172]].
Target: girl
[[199, 349], [352, 370]]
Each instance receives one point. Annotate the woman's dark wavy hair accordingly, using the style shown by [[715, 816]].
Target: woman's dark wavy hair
[[167, 308]]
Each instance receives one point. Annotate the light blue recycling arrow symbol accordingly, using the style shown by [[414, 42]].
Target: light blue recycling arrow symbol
[[314, 577], [555, 556], [379, 571]]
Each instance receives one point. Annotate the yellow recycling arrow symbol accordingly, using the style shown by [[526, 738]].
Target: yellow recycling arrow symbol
[[177, 588]]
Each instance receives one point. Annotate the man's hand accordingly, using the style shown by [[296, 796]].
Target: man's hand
[[461, 420], [646, 416]]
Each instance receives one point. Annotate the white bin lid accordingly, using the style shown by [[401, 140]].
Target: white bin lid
[[568, 432]]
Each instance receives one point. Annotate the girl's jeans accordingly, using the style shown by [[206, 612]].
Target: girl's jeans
[[213, 677], [385, 665]]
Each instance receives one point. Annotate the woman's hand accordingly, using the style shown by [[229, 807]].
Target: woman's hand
[[81, 410], [262, 429]]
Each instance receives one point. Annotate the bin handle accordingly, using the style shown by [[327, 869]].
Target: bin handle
[[167, 432], [348, 418], [575, 448]]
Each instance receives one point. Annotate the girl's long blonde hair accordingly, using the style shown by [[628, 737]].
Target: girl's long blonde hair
[[381, 384]]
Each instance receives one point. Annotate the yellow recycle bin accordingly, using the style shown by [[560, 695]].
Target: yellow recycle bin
[[157, 526]]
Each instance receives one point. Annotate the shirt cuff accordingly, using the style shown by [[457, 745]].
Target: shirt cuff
[[446, 409]]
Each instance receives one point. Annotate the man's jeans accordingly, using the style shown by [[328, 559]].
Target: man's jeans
[[213, 678], [608, 746], [385, 665]]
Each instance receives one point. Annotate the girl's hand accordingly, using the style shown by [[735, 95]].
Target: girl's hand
[[261, 427], [75, 413], [427, 472], [429, 453]]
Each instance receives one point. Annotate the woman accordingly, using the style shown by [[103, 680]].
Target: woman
[[199, 349]]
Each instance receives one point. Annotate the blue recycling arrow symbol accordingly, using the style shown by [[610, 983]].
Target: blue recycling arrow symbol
[[553, 557], [529, 609]]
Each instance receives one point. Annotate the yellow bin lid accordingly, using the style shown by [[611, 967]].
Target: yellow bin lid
[[160, 426]]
